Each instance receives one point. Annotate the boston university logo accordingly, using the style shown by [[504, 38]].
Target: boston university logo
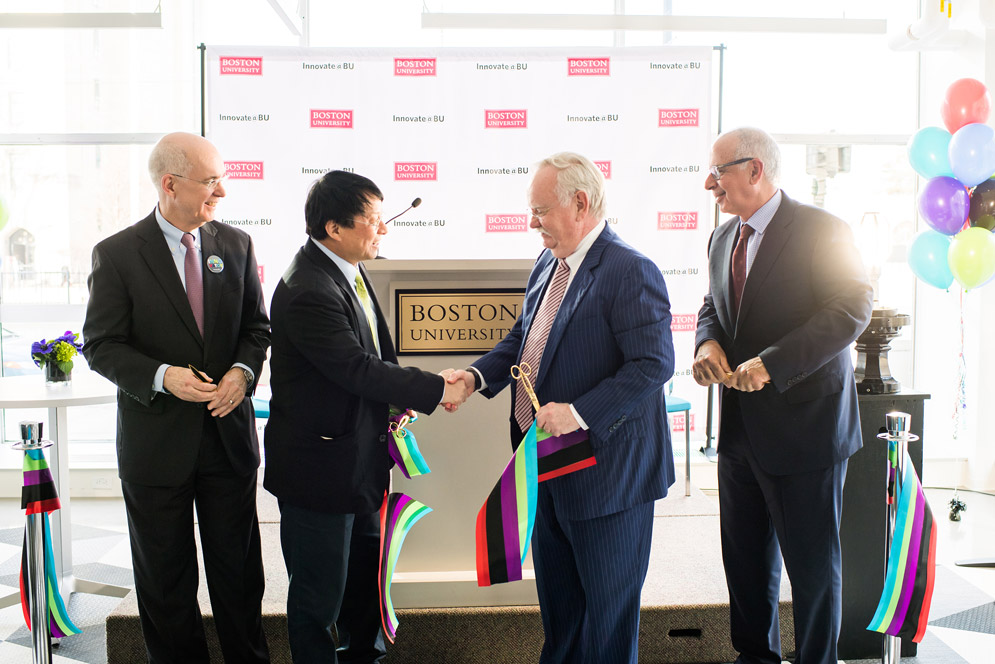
[[676, 221], [414, 66], [678, 117], [507, 223], [244, 170], [415, 170], [331, 118], [588, 66], [683, 322], [506, 119], [241, 66], [605, 167]]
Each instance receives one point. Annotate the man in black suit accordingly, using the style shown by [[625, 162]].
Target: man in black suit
[[334, 373], [182, 440], [787, 296]]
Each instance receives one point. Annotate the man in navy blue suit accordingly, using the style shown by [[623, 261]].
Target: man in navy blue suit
[[596, 321], [787, 296]]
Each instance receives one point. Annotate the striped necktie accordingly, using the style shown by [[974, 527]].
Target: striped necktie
[[535, 343], [371, 315], [194, 280]]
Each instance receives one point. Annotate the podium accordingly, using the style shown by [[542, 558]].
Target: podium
[[864, 522]]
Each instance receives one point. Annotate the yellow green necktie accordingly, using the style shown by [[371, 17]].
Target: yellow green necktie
[[371, 316]]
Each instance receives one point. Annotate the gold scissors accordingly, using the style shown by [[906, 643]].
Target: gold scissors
[[522, 372], [398, 426]]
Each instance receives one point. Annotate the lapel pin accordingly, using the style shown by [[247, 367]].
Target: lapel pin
[[215, 264]]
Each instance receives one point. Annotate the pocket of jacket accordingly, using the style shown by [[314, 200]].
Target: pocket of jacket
[[814, 387]]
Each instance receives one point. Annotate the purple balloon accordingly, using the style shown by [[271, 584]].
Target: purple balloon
[[945, 204]]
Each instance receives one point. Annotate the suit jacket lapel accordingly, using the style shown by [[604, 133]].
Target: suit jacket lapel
[[213, 283], [347, 291], [386, 345], [579, 286], [775, 236], [155, 252], [725, 244]]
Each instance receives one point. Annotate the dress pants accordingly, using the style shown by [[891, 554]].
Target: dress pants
[[333, 562], [164, 554], [589, 575], [764, 517]]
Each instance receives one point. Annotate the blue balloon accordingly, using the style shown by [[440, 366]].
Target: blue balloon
[[928, 259], [972, 154], [928, 152]]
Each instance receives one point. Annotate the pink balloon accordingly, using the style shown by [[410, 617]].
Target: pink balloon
[[966, 101]]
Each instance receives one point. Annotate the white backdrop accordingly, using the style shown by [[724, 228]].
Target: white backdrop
[[463, 129]]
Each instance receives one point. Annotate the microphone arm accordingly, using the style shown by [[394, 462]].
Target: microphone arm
[[415, 203]]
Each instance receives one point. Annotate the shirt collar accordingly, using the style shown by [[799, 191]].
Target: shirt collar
[[348, 269], [761, 218], [575, 259], [173, 234]]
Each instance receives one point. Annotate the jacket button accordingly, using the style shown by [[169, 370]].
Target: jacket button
[[383, 438]]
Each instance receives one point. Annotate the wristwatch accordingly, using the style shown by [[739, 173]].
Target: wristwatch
[[248, 378]]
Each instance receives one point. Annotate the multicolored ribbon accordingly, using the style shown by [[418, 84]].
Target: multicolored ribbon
[[39, 496], [507, 517], [903, 610], [398, 513], [402, 445]]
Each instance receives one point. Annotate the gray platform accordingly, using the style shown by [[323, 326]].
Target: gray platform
[[684, 616]]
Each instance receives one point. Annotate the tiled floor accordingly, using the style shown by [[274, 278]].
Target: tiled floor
[[962, 619]]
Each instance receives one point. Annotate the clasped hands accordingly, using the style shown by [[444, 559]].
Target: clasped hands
[[222, 398], [554, 418], [711, 366]]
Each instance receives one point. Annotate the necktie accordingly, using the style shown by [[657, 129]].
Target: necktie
[[739, 264], [371, 315], [194, 281], [535, 343]]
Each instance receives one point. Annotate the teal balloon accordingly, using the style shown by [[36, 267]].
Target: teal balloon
[[928, 152], [928, 259], [4, 213], [972, 154]]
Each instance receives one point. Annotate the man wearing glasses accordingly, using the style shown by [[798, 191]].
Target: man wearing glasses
[[176, 320], [334, 373], [787, 296]]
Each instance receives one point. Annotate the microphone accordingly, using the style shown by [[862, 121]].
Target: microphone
[[415, 203]]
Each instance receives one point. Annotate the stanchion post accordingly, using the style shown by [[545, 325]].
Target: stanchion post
[[898, 437], [41, 642]]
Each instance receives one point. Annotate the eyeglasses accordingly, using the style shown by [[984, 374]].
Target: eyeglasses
[[210, 183], [718, 171], [539, 212], [377, 223]]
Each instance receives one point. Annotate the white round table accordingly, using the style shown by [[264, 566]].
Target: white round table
[[86, 389]]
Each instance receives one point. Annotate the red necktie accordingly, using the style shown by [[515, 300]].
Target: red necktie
[[194, 281], [739, 264], [535, 343]]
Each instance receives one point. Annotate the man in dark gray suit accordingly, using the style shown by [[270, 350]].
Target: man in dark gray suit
[[171, 291], [787, 296]]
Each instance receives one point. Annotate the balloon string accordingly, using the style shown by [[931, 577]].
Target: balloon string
[[960, 404]]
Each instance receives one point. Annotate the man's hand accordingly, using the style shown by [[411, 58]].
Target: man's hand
[[231, 391], [750, 376], [710, 364], [556, 419], [182, 384], [460, 385]]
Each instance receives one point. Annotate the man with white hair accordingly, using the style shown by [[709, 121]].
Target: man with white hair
[[787, 296], [176, 320], [595, 328]]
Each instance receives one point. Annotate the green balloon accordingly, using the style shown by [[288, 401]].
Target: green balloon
[[4, 213], [972, 257]]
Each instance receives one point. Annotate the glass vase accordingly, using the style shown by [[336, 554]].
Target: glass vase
[[55, 376]]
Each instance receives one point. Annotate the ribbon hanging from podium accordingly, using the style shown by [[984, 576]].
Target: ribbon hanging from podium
[[397, 514]]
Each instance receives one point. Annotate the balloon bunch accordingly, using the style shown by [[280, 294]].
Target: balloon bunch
[[958, 201]]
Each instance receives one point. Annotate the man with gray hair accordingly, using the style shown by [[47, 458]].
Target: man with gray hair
[[176, 320], [595, 329], [787, 296]]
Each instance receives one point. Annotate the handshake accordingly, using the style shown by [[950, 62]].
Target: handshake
[[460, 384]]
